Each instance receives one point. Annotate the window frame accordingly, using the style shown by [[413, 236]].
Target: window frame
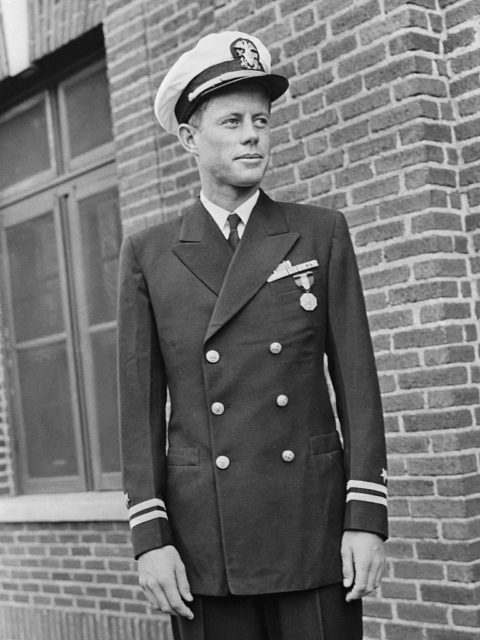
[[58, 190]]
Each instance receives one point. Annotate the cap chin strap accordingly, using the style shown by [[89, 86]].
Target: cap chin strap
[[223, 78]]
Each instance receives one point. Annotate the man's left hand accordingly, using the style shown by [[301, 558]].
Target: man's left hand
[[363, 563]]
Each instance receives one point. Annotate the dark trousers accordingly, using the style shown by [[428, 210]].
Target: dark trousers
[[316, 614]]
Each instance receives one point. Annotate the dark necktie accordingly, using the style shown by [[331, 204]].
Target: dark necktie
[[233, 237]]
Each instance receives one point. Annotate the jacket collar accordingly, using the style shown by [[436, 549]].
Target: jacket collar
[[203, 249]]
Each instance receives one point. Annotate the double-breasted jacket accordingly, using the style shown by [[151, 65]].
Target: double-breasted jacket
[[249, 478]]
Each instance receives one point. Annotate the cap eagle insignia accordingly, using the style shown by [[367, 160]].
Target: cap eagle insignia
[[247, 53]]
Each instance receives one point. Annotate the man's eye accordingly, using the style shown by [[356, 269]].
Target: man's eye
[[231, 121], [261, 122]]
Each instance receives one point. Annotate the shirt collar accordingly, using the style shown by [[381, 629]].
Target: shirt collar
[[220, 215]]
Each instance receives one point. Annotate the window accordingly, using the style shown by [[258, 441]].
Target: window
[[61, 234]]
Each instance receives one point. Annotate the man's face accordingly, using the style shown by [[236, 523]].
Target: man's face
[[233, 138]]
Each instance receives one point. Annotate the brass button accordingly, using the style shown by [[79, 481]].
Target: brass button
[[282, 400], [288, 456], [222, 462], [275, 347], [212, 356], [218, 408]]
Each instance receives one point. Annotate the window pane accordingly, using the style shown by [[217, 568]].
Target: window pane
[[47, 411], [105, 381], [35, 281], [24, 145], [88, 113], [101, 234]]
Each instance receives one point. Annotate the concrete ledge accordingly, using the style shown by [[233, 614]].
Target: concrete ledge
[[91, 506]]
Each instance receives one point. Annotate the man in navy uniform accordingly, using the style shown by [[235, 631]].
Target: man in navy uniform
[[252, 518]]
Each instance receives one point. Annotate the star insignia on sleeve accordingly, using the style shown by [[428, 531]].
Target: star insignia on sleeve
[[384, 475]]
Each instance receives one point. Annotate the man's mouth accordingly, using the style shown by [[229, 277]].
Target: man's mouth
[[250, 156]]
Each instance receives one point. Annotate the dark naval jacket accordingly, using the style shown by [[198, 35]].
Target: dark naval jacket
[[249, 477]]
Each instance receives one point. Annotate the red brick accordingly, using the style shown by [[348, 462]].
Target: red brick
[[464, 572], [418, 570], [437, 420], [367, 259], [423, 613], [436, 220], [419, 292], [307, 62], [322, 184], [361, 60], [320, 164], [338, 48], [466, 617], [309, 83], [413, 41], [437, 508], [418, 131], [343, 90], [355, 17], [448, 594], [397, 631], [397, 69], [440, 268], [409, 528], [442, 465], [452, 397], [365, 104], [460, 439], [450, 354], [420, 246], [289, 6], [430, 175], [375, 301], [409, 111], [373, 147], [375, 190], [390, 320], [464, 85], [308, 38], [420, 86], [461, 530], [387, 276], [398, 589], [402, 402], [377, 609], [416, 338], [465, 61], [406, 157], [314, 124], [344, 135]]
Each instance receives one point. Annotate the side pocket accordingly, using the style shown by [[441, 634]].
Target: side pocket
[[183, 457], [325, 443]]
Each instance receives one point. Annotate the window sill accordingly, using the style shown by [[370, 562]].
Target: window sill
[[91, 506]]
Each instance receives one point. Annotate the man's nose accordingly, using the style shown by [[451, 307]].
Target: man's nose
[[250, 131]]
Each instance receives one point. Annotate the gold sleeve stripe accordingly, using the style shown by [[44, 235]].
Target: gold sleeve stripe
[[146, 517], [372, 486], [366, 497], [146, 504]]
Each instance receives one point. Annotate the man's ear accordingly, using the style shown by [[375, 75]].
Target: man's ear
[[187, 134]]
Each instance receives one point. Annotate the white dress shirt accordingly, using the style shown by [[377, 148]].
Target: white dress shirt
[[220, 215]]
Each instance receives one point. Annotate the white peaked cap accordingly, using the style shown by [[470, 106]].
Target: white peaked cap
[[217, 60]]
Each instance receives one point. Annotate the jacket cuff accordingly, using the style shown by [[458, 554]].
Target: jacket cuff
[[366, 516], [149, 525]]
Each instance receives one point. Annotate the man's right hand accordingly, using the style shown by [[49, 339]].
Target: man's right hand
[[164, 581]]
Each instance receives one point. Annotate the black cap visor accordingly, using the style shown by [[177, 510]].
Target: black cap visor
[[193, 93]]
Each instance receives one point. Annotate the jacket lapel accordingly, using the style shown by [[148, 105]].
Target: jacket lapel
[[202, 247], [264, 244]]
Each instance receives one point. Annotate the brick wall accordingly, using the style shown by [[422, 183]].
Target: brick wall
[[380, 121], [72, 582]]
